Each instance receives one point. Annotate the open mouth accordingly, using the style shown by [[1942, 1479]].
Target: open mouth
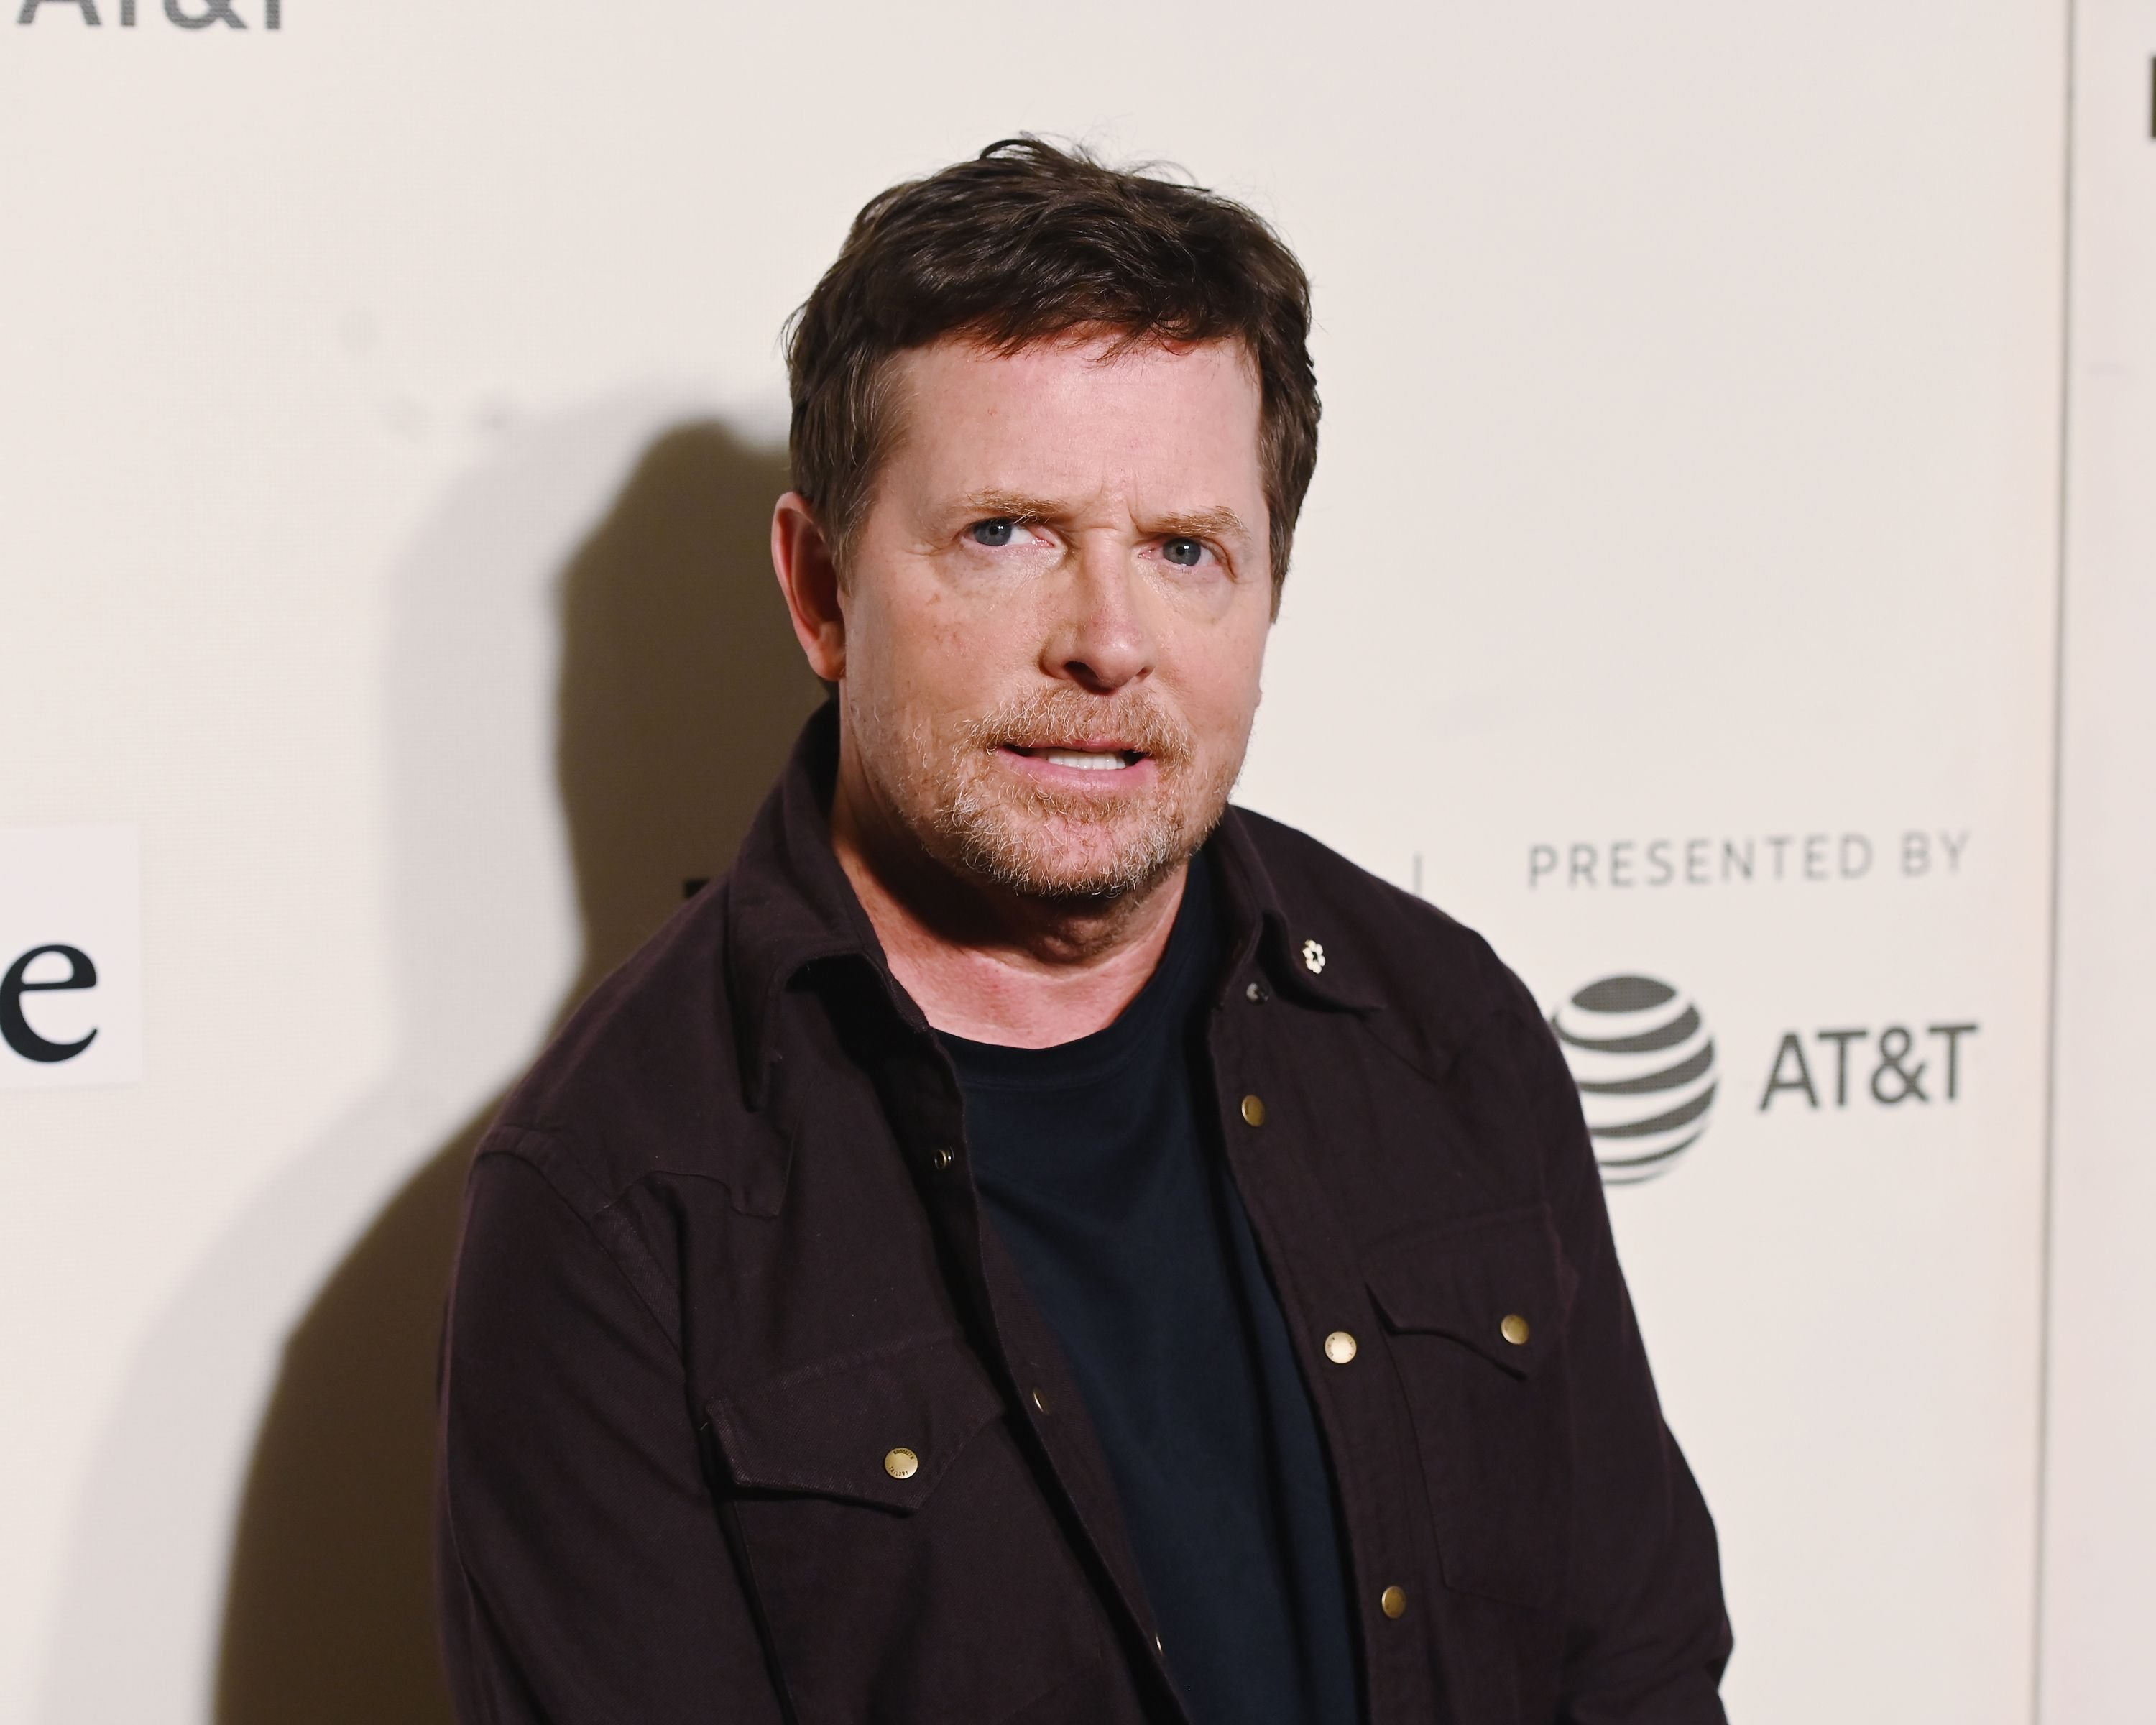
[[1080, 760]]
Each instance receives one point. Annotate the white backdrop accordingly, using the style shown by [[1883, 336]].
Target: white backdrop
[[378, 388], [2100, 1495]]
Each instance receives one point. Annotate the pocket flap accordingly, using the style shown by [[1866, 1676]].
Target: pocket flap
[[878, 1428], [1497, 1284]]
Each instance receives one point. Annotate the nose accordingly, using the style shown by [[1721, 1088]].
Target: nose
[[1099, 638]]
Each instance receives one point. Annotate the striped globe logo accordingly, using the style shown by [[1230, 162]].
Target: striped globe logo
[[1644, 1062]]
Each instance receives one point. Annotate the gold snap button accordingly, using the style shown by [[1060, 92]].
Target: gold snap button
[[1039, 1401], [1340, 1348], [901, 1463], [1394, 1602], [1514, 1329], [1253, 1111], [942, 1159]]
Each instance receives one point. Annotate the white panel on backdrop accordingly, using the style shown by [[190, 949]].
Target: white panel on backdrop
[[1687, 494], [70, 956], [2100, 1495]]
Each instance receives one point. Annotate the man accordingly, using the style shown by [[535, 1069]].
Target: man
[[1035, 1243]]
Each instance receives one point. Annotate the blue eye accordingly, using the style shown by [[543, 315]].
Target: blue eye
[[1183, 552], [992, 533]]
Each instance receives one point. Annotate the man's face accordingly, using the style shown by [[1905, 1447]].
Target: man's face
[[1056, 609]]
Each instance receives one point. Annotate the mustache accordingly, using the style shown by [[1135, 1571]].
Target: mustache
[[1067, 715]]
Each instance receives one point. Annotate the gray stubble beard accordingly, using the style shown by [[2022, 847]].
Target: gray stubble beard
[[991, 838], [998, 832]]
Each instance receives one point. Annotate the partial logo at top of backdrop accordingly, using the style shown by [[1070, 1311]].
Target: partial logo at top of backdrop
[[186, 14], [1641, 1053], [70, 956]]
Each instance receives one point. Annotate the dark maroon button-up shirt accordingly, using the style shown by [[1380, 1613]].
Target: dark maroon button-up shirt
[[739, 1419]]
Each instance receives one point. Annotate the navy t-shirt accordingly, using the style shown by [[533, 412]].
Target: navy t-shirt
[[1101, 1175]]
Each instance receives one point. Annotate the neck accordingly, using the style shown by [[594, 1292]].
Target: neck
[[986, 963]]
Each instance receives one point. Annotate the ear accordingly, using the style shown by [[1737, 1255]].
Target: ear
[[809, 579]]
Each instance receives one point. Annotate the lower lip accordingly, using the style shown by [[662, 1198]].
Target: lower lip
[[1043, 770]]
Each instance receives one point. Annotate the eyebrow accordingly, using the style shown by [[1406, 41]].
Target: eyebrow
[[1217, 523], [1222, 523], [1009, 506]]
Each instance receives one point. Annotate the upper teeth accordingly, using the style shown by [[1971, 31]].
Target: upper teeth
[[1086, 763]]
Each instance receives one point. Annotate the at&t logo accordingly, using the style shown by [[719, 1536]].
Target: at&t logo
[[185, 14], [1644, 1061]]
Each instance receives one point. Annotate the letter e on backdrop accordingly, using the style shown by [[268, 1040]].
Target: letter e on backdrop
[[70, 956]]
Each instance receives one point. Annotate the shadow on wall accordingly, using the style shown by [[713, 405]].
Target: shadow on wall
[[680, 691]]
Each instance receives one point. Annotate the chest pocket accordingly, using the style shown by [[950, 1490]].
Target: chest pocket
[[903, 1559], [1474, 1313]]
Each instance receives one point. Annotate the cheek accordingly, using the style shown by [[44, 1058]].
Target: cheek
[[1219, 697], [1220, 668], [908, 649], [959, 652]]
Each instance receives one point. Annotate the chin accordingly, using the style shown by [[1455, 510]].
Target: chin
[[1070, 862]]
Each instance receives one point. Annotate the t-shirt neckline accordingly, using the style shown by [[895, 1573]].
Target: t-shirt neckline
[[1153, 1017]]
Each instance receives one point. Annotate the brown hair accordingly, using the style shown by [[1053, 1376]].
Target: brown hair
[[1025, 243]]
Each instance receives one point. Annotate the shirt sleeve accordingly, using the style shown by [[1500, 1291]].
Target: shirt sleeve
[[1648, 1634], [584, 1572]]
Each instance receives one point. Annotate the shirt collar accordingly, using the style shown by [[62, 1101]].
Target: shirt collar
[[1287, 937]]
